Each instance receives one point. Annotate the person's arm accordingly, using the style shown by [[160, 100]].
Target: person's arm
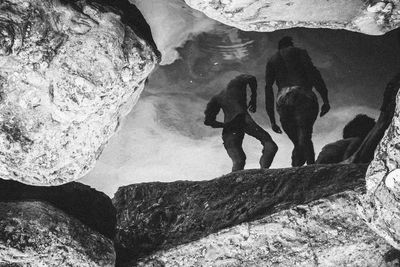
[[352, 147], [252, 82], [318, 82], [365, 152], [211, 112], [270, 77], [269, 92]]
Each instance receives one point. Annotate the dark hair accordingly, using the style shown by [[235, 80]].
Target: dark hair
[[285, 42], [360, 126]]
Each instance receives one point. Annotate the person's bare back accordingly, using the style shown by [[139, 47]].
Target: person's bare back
[[295, 75], [238, 122]]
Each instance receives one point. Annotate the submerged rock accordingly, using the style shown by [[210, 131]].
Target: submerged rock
[[69, 71], [37, 234], [381, 204], [303, 208], [92, 208], [369, 17]]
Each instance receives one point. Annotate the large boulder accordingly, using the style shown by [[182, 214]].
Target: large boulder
[[304, 208], [325, 232], [37, 234], [369, 17], [92, 208], [69, 71], [381, 204]]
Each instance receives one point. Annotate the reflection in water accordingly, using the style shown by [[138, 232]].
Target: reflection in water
[[230, 44], [221, 50]]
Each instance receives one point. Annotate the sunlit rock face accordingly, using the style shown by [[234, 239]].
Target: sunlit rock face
[[370, 17], [326, 232], [69, 71], [37, 234], [288, 217], [381, 204]]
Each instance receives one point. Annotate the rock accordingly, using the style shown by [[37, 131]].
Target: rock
[[369, 17], [69, 71], [155, 217], [381, 205], [325, 232], [90, 207], [37, 234]]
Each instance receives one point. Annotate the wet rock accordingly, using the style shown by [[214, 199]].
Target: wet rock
[[160, 216], [90, 207], [69, 72], [37, 234], [381, 204], [369, 17], [325, 232]]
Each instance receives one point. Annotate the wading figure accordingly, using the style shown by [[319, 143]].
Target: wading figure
[[237, 121], [295, 75], [353, 134], [365, 153]]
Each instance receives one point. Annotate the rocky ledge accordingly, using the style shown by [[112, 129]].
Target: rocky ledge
[[370, 17], [381, 204], [92, 208], [287, 217], [38, 234], [67, 225]]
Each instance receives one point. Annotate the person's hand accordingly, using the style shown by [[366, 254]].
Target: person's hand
[[276, 128], [218, 124], [349, 160], [252, 106], [324, 109]]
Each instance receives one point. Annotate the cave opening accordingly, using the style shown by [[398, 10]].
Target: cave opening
[[166, 128]]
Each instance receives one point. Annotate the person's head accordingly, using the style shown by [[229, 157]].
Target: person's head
[[285, 42], [360, 126]]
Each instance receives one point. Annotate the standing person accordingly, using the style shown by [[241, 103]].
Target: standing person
[[237, 121], [295, 75]]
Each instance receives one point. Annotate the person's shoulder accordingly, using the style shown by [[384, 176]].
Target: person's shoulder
[[273, 58], [244, 77], [216, 97], [299, 50]]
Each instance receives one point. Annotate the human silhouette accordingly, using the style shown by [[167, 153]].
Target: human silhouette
[[295, 76], [237, 121], [353, 134], [365, 153]]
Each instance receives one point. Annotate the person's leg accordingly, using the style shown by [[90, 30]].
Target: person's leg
[[269, 146], [289, 126], [233, 140], [305, 115]]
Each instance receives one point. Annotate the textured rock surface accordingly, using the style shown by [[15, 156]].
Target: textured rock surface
[[69, 71], [92, 208], [37, 234], [370, 17], [159, 216], [381, 204], [326, 232]]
